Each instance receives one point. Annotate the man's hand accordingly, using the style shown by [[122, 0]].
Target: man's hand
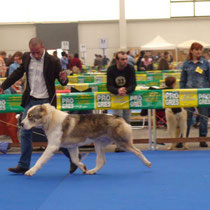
[[1, 91], [122, 91], [63, 76]]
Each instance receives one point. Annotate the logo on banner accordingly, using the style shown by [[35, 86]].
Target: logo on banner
[[103, 101], [172, 98], [204, 98], [136, 101], [2, 105], [67, 103]]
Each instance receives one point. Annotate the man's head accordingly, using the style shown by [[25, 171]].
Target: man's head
[[36, 47], [55, 53], [166, 54], [63, 54], [3, 54], [121, 60], [17, 57]]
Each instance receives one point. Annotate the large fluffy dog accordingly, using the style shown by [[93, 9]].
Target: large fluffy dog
[[176, 124], [71, 131]]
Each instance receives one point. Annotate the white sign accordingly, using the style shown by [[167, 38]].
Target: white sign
[[83, 48], [103, 43], [65, 45]]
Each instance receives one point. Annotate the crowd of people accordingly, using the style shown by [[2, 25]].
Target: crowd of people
[[73, 64]]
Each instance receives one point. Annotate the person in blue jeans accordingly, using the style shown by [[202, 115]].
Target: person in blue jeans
[[196, 74], [41, 71]]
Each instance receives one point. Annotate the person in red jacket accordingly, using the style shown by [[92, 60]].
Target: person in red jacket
[[75, 64]]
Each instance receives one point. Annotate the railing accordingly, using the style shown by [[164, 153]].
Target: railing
[[143, 99]]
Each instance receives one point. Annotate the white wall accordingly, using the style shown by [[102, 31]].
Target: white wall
[[173, 30], [16, 37], [91, 33]]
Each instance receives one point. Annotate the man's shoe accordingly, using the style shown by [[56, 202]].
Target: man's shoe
[[74, 167], [203, 144], [18, 170], [179, 145]]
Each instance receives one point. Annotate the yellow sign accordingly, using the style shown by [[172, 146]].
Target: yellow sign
[[73, 79], [188, 98], [199, 70], [120, 102], [180, 98], [141, 77]]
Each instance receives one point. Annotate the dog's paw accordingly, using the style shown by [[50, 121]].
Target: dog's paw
[[90, 172], [149, 164], [185, 147], [82, 167], [170, 148], [30, 172]]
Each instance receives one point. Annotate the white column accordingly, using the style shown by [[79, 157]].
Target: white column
[[122, 26]]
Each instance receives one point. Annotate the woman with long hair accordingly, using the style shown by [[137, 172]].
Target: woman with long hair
[[196, 74]]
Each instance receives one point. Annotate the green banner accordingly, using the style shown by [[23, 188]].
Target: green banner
[[147, 99], [75, 101], [141, 99], [203, 97], [10, 103]]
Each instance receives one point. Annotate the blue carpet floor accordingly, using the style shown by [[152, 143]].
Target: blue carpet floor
[[178, 180]]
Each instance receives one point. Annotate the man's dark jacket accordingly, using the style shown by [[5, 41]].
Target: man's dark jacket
[[52, 69]]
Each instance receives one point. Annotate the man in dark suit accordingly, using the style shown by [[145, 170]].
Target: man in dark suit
[[41, 71]]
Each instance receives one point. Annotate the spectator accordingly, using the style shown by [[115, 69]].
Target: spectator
[[55, 54], [163, 63], [17, 60], [16, 88], [8, 61], [75, 64], [121, 80], [196, 74], [3, 68], [131, 60], [70, 57], [142, 53], [146, 63], [64, 61], [105, 60], [170, 59], [113, 61], [41, 71], [98, 62]]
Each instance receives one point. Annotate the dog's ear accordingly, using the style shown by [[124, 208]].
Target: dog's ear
[[46, 108], [43, 109]]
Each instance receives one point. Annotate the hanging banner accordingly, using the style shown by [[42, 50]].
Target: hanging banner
[[180, 98], [139, 99], [10, 103], [75, 101], [203, 97], [149, 99]]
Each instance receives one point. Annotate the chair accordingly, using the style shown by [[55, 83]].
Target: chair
[[160, 118], [8, 126]]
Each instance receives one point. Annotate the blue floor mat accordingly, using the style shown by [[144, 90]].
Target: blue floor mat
[[178, 180]]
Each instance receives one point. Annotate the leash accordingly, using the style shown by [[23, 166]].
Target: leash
[[197, 112], [20, 127]]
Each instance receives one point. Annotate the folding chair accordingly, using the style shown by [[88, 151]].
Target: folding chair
[[160, 118]]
